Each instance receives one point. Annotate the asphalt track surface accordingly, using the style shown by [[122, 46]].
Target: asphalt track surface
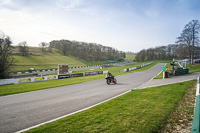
[[21, 111]]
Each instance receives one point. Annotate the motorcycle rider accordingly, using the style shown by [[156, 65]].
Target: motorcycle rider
[[110, 76]]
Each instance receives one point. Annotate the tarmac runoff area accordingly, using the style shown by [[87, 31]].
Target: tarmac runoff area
[[170, 80]]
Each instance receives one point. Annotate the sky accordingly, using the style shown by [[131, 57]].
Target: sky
[[127, 25]]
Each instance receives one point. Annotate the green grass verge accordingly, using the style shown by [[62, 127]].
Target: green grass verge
[[120, 70], [194, 68], [139, 111], [27, 87]]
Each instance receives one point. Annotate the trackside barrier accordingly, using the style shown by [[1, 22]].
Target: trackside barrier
[[36, 71], [196, 117], [53, 77], [138, 67], [44, 78], [27, 80]]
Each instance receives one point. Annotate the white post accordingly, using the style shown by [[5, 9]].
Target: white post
[[163, 74]]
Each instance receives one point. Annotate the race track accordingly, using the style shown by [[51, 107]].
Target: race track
[[24, 110]]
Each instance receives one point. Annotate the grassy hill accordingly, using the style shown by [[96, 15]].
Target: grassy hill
[[45, 60], [130, 56]]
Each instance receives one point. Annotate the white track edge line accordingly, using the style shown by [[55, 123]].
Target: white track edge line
[[23, 130], [167, 83], [149, 80]]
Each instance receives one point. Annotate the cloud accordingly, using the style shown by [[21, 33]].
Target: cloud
[[8, 4], [5, 2], [68, 4]]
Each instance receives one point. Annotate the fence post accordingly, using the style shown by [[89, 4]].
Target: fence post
[[196, 117]]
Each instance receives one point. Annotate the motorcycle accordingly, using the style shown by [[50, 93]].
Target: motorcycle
[[111, 80]]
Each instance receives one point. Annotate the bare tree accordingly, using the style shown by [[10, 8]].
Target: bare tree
[[185, 40], [23, 48], [189, 37], [194, 25], [43, 46], [6, 61]]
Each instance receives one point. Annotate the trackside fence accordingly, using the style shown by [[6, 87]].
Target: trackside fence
[[138, 67], [46, 70], [44, 78], [196, 117], [54, 77]]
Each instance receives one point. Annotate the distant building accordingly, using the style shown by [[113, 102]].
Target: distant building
[[111, 61]]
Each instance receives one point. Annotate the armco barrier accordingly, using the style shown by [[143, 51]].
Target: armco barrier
[[196, 117], [8, 81], [77, 75], [138, 67], [36, 71], [63, 76]]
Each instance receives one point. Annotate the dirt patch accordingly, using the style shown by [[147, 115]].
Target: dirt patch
[[180, 121]]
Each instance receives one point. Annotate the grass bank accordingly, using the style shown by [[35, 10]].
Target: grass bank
[[46, 60], [27, 87], [130, 56], [139, 111], [180, 120]]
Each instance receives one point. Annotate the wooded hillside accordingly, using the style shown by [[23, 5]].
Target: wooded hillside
[[87, 51]]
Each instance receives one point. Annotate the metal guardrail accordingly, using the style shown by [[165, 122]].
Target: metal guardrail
[[44, 78], [138, 67], [44, 70], [196, 117]]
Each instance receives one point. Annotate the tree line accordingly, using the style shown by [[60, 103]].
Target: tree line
[[87, 51], [82, 50], [6, 61], [186, 46]]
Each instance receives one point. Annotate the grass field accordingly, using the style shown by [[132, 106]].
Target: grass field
[[139, 111], [130, 56], [46, 60], [27, 87]]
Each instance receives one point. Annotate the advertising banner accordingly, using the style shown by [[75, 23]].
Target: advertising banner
[[38, 79], [63, 76], [93, 73], [25, 80], [51, 77], [77, 75], [87, 73], [100, 72]]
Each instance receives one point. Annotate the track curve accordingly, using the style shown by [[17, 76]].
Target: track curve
[[24, 110]]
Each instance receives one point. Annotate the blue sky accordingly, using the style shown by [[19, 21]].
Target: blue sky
[[127, 25]]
